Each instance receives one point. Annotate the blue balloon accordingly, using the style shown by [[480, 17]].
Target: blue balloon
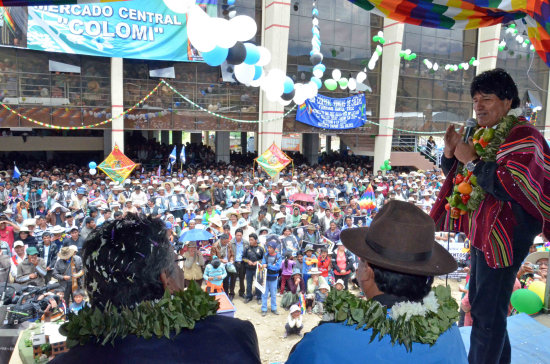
[[317, 81], [257, 72], [252, 54], [288, 85], [39, 191], [230, 2], [92, 165], [321, 67], [315, 12], [215, 57]]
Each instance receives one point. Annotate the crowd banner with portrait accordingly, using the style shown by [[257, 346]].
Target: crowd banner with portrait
[[259, 279], [138, 29], [334, 114]]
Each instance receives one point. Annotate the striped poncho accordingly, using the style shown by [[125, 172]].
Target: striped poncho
[[523, 170]]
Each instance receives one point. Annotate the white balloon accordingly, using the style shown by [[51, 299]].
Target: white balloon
[[352, 84], [318, 73], [274, 82], [200, 35], [258, 82], [315, 21], [93, 171], [222, 29], [300, 94], [311, 89], [243, 27], [272, 95], [244, 73], [265, 57], [284, 102], [361, 76], [336, 74], [435, 67], [179, 6]]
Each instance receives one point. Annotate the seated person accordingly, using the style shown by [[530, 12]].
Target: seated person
[[535, 268], [294, 324], [32, 270], [131, 266], [398, 260]]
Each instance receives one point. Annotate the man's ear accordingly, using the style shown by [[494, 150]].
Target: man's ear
[[165, 281]]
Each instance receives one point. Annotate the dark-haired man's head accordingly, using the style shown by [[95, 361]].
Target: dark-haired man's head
[[494, 93], [128, 261]]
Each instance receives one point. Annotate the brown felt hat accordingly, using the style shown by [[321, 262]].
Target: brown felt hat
[[400, 238]]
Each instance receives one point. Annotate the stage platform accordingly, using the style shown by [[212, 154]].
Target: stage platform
[[528, 337]]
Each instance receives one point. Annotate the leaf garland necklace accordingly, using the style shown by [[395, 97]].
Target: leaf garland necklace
[[407, 323], [467, 195], [171, 313]]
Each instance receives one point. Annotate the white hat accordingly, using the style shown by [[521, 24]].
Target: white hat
[[29, 222], [78, 180], [73, 248], [340, 281], [57, 229], [294, 308], [279, 215], [314, 270], [18, 243]]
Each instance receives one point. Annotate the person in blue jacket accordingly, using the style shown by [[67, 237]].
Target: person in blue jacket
[[398, 261], [272, 261]]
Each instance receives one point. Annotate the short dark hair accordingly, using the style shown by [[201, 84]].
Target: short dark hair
[[224, 237], [497, 82], [124, 259], [89, 220], [253, 235], [410, 286], [239, 230]]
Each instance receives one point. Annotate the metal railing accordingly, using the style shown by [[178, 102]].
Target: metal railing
[[417, 144]]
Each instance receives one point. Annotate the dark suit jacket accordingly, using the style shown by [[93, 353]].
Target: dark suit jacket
[[216, 339], [52, 254]]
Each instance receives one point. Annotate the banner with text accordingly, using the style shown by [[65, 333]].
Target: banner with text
[[334, 114], [141, 29]]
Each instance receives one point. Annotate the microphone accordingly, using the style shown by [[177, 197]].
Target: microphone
[[469, 127]]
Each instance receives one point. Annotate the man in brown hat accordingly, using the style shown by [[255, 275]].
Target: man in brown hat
[[68, 271], [398, 259]]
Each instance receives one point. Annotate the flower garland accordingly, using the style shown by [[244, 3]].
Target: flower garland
[[406, 322], [171, 313], [467, 194]]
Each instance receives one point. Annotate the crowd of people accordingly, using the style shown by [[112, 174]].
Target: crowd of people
[[254, 221]]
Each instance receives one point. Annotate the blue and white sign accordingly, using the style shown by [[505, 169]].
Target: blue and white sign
[[335, 114], [142, 29]]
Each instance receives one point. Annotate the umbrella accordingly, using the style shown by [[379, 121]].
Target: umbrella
[[304, 197], [195, 235]]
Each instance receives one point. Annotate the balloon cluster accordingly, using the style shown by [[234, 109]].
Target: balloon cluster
[[407, 54], [523, 41], [92, 165], [279, 87], [386, 166], [531, 300], [356, 83]]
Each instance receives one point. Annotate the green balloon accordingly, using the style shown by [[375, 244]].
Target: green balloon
[[331, 84], [387, 162], [388, 168], [382, 167], [343, 82], [526, 301], [413, 56]]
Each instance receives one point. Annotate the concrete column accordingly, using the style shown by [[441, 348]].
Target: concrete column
[[165, 137], [310, 147], [393, 31], [222, 146], [150, 134], [107, 142], [196, 138], [342, 146], [328, 143], [176, 137], [487, 48], [244, 142], [117, 103], [275, 26]]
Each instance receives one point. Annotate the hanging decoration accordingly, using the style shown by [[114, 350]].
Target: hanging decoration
[[117, 166], [356, 83], [46, 125]]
